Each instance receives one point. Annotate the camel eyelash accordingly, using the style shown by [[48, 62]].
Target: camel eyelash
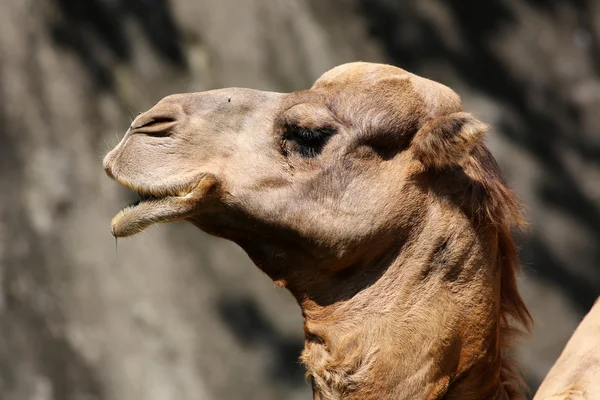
[[308, 141]]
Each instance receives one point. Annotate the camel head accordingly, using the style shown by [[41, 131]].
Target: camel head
[[319, 175], [364, 195]]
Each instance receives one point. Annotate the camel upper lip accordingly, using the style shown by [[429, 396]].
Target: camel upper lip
[[146, 193], [148, 197]]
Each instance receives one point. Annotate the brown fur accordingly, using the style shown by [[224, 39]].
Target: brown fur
[[373, 199]]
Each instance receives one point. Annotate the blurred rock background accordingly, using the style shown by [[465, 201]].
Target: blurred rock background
[[175, 314]]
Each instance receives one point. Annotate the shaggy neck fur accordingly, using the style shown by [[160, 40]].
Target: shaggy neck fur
[[433, 320], [432, 332]]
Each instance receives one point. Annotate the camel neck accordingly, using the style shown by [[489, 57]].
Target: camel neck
[[423, 324]]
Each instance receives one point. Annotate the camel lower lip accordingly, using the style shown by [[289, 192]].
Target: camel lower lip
[[137, 217]]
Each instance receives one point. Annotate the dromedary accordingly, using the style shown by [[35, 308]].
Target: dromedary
[[373, 199], [576, 374]]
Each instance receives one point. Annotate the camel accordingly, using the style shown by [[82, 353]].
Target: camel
[[576, 374], [373, 199]]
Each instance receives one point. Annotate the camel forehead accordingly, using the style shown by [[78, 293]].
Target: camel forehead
[[439, 99], [359, 72]]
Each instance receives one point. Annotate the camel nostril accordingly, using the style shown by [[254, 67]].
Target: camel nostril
[[156, 120], [157, 125]]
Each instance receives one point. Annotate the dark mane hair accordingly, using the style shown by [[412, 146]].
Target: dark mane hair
[[497, 206]]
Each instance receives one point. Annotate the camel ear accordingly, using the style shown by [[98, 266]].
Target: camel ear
[[447, 140]]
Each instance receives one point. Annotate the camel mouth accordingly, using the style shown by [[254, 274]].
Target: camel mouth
[[155, 205], [146, 197]]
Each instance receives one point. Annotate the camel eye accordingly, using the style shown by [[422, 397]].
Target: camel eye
[[307, 141]]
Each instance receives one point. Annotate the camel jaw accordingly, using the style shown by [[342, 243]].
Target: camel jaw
[[159, 206]]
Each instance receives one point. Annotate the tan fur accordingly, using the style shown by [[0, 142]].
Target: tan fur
[[575, 376], [373, 199]]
